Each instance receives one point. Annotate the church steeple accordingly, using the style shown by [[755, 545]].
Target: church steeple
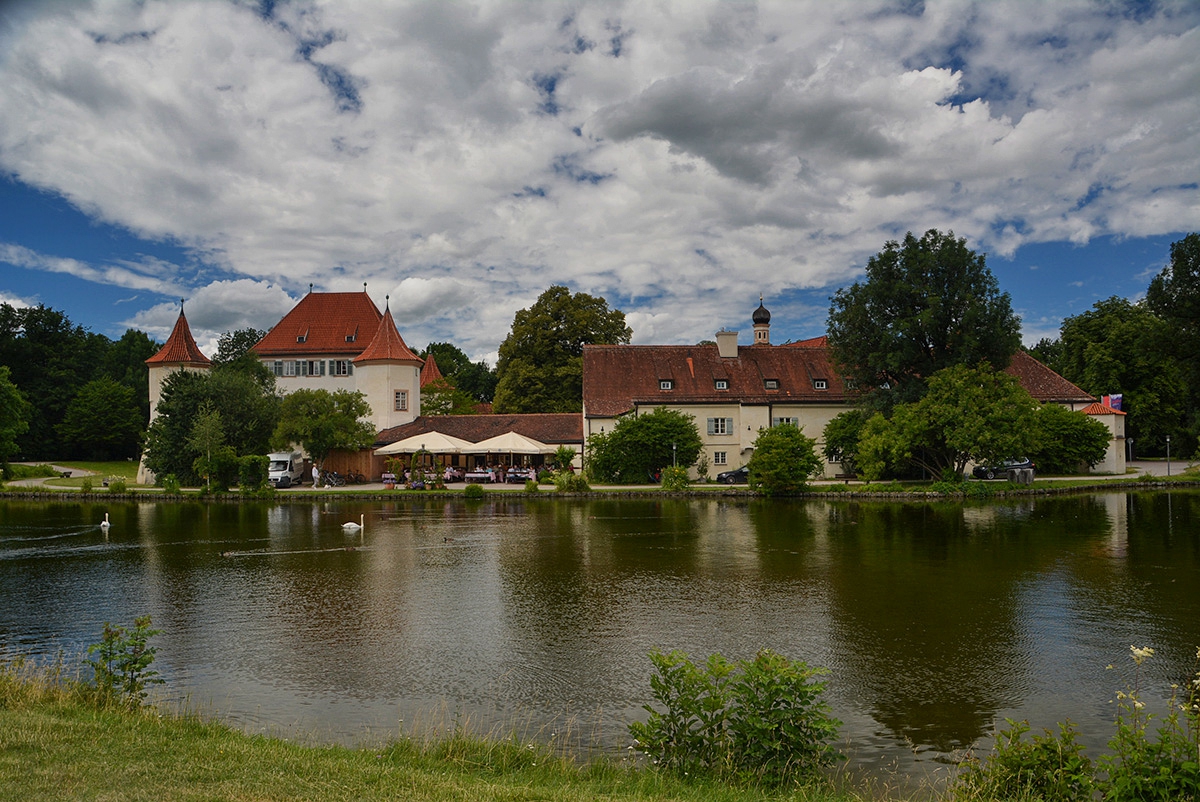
[[762, 324]]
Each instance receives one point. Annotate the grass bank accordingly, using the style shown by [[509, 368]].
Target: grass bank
[[56, 742]]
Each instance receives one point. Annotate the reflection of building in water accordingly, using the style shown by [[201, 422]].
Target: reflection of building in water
[[1116, 505]]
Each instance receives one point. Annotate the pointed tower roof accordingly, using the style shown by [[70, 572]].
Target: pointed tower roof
[[430, 373], [180, 348], [387, 345]]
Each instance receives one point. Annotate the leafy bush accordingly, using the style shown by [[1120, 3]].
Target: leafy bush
[[117, 485], [474, 491], [1139, 767], [674, 479], [531, 486], [783, 460], [170, 484], [1047, 767], [640, 447], [122, 668], [253, 473], [86, 485], [545, 478], [567, 482], [30, 471], [759, 720]]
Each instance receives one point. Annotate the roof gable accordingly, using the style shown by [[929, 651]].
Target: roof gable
[[1043, 383], [323, 323], [430, 372], [180, 348]]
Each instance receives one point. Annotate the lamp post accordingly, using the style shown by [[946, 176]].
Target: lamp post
[[674, 464], [1168, 455]]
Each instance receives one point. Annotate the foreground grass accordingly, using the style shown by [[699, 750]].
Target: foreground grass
[[57, 743]]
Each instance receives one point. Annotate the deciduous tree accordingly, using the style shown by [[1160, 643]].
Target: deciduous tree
[[14, 419], [638, 448], [1066, 441], [783, 461], [541, 359], [322, 421], [102, 422], [926, 304]]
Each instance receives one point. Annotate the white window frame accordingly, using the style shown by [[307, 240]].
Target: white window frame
[[340, 367], [291, 368], [721, 384], [314, 367], [720, 458], [666, 384], [786, 421], [770, 384], [820, 384], [401, 401], [720, 427]]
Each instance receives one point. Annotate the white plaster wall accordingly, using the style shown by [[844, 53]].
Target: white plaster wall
[[379, 382]]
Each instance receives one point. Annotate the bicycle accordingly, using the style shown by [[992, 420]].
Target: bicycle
[[332, 479], [353, 477]]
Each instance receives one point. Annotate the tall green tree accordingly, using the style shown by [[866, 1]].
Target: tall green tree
[[50, 358], [207, 436], [1066, 441], [968, 415], [1174, 295], [926, 304], [233, 345], [783, 461], [102, 422], [1119, 346], [249, 414], [541, 360], [322, 421], [639, 447], [125, 363], [475, 379], [14, 419]]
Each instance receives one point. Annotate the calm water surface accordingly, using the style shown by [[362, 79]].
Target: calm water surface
[[935, 620]]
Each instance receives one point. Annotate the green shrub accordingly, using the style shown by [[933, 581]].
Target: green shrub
[[759, 720], [474, 491], [1047, 767], [29, 472], [117, 485], [531, 486], [674, 479], [170, 484], [567, 482], [86, 485], [122, 668], [253, 473], [545, 477]]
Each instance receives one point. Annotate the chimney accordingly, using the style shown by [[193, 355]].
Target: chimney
[[727, 343]]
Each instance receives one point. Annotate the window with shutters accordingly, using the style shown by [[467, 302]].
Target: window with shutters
[[720, 425]]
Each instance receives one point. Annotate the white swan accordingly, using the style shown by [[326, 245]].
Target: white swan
[[105, 524], [350, 526]]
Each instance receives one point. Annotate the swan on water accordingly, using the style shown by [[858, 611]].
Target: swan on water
[[351, 526], [105, 524]]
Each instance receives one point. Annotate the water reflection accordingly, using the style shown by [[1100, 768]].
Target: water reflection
[[936, 620]]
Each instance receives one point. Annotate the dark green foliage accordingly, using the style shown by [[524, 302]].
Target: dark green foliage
[[14, 419], [841, 435], [1066, 441], [170, 484], [441, 397], [1049, 767], [102, 422], [125, 364], [567, 482], [783, 461], [233, 345], [541, 360], [475, 379], [1174, 295], [253, 472], [474, 491], [926, 304], [639, 447], [322, 421], [1123, 347], [122, 663], [219, 468], [759, 720]]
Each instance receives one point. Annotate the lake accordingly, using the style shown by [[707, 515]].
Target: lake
[[935, 620]]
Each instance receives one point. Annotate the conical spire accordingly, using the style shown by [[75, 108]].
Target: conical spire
[[180, 348], [387, 344]]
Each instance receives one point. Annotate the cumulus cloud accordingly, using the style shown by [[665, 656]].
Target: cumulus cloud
[[678, 158]]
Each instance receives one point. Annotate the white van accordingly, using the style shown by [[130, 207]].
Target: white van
[[286, 469]]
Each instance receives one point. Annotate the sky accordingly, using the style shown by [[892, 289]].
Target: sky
[[679, 158]]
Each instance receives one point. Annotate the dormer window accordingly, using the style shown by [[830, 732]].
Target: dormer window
[[771, 384], [666, 384], [302, 338], [820, 384], [721, 384], [351, 338]]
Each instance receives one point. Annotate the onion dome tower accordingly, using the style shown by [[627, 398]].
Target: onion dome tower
[[762, 324]]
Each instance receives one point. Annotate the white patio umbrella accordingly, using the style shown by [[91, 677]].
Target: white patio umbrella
[[511, 443], [434, 442]]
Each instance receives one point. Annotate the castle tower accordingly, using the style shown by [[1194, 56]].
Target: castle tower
[[179, 353], [762, 324], [389, 374]]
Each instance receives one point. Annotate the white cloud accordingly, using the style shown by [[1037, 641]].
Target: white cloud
[[216, 308], [16, 302], [682, 156]]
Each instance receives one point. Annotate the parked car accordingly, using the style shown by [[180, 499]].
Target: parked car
[[285, 468], [1001, 468], [739, 476]]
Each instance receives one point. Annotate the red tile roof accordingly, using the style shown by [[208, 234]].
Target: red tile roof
[[1044, 384], [551, 428], [387, 345], [180, 348], [334, 323], [1100, 409], [618, 377], [430, 372]]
